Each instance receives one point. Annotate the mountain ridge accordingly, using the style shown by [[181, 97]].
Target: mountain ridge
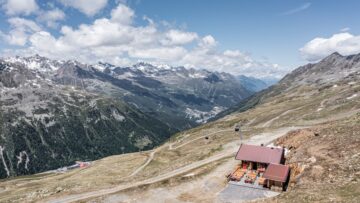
[[51, 106], [328, 70]]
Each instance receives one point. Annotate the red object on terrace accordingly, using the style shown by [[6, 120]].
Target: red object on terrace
[[259, 154], [277, 172]]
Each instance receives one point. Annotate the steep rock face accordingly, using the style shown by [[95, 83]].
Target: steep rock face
[[53, 113]]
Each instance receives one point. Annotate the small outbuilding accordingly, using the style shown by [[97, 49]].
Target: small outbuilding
[[276, 175], [255, 157], [266, 163]]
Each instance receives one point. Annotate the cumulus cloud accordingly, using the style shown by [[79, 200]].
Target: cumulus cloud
[[177, 37], [88, 7], [168, 54], [43, 42], [122, 14], [233, 61], [26, 7], [20, 31], [116, 39], [344, 43], [51, 17], [208, 42], [20, 7]]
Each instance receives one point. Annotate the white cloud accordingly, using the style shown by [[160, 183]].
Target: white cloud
[[88, 7], [167, 54], [43, 42], [208, 42], [206, 55], [344, 43], [118, 40], [177, 37], [27, 7], [20, 31], [20, 7], [23, 23], [51, 17], [122, 14], [102, 33], [232, 61]]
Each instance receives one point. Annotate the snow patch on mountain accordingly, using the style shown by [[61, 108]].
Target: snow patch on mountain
[[36, 63], [197, 75], [117, 116], [26, 161]]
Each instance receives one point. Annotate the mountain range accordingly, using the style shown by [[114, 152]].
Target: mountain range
[[54, 112]]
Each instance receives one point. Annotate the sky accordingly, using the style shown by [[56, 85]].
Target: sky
[[263, 39]]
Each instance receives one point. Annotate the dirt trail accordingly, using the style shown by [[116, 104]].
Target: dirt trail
[[333, 117], [198, 138], [269, 122], [229, 150], [170, 146], [151, 157], [322, 105]]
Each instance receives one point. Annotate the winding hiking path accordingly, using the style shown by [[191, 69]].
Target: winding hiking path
[[322, 105], [269, 122], [229, 151], [198, 138], [152, 154], [151, 157]]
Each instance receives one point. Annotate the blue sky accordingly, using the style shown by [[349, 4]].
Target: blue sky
[[255, 38], [260, 27]]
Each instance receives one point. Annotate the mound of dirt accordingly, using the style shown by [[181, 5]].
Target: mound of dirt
[[325, 163]]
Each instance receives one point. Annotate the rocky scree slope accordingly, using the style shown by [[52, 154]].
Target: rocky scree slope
[[322, 170]]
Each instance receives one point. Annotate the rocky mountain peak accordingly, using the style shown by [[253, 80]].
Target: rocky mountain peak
[[334, 57], [335, 54], [332, 68]]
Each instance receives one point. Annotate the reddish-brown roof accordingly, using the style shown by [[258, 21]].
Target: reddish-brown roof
[[259, 154], [277, 172]]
